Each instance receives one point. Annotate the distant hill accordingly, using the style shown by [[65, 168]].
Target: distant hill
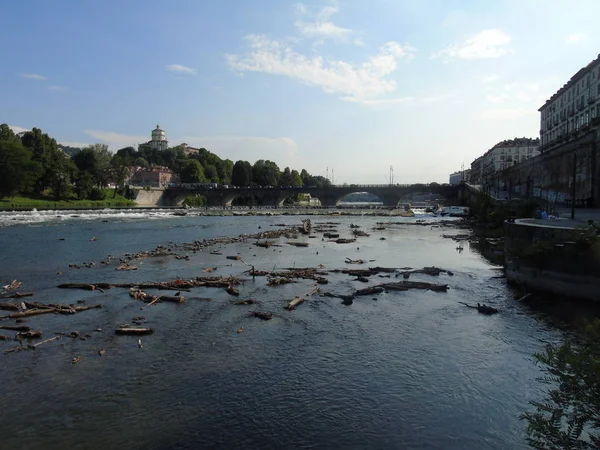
[[71, 151]]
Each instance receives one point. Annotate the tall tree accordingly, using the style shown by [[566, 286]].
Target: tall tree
[[286, 177], [192, 172], [211, 174], [43, 147], [296, 178], [265, 173], [7, 134], [241, 174], [18, 173], [119, 172]]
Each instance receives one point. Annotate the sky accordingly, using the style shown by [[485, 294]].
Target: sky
[[344, 88]]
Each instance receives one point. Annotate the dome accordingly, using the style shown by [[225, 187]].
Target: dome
[[158, 134]]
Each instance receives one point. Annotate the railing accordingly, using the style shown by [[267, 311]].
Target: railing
[[300, 188]]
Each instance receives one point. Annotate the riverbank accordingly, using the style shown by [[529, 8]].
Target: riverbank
[[18, 203]]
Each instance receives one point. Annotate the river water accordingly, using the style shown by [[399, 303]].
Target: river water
[[412, 369]]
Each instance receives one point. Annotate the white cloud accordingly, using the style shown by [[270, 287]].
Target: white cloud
[[17, 129], [320, 26], [33, 76], [282, 150], [117, 141], [490, 79], [496, 98], [410, 100], [74, 144], [178, 68], [575, 37], [486, 44], [507, 113], [58, 88], [354, 82]]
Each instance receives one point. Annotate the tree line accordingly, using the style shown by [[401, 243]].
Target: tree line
[[35, 164]]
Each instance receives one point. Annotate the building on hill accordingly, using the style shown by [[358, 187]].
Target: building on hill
[[156, 176], [187, 150], [158, 141]]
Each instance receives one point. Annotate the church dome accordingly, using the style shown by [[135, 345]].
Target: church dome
[[158, 134]]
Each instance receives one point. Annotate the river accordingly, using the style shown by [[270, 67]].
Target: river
[[411, 369]]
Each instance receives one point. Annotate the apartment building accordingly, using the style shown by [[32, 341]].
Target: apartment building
[[573, 109]]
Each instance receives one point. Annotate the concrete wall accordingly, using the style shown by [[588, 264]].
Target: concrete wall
[[153, 197], [551, 259]]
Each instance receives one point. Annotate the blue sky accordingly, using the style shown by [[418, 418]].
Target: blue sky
[[354, 86]]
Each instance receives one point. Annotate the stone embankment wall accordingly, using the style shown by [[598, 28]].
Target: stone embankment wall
[[550, 259], [155, 197]]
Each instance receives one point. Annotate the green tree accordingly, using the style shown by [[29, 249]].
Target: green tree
[[18, 173], [241, 174], [43, 148], [265, 173], [286, 177], [569, 417], [296, 178], [192, 172], [84, 183], [305, 177], [60, 174], [7, 134], [225, 170], [139, 162], [129, 154], [211, 174], [119, 172]]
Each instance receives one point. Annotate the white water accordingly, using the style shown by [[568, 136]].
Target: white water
[[8, 218]]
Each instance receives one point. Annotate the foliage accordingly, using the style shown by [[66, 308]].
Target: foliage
[[43, 201], [139, 162], [97, 193], [265, 173], [192, 172], [18, 172], [195, 201], [241, 174], [569, 417]]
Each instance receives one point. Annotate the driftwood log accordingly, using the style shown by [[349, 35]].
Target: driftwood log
[[294, 303], [249, 301], [369, 291], [37, 309], [433, 271], [483, 309], [15, 328], [134, 331], [17, 295], [343, 297], [280, 280], [261, 315], [403, 285], [172, 285]]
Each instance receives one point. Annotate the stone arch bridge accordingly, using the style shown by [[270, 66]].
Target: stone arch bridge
[[390, 195]]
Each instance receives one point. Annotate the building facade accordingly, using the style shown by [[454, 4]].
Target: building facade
[[460, 176], [570, 131], [500, 157], [573, 109], [153, 177]]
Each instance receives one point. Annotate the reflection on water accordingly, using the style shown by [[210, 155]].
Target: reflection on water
[[410, 369]]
